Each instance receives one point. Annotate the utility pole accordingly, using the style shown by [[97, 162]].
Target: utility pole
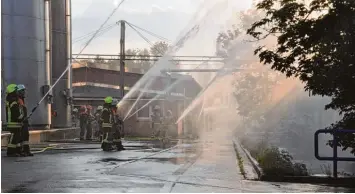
[[122, 56], [122, 60]]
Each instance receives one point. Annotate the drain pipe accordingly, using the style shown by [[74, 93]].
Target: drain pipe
[[69, 92], [48, 54]]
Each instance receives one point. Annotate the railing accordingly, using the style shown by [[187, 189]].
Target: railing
[[335, 157]]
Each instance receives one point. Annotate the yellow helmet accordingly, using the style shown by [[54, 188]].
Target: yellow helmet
[[11, 88], [108, 100]]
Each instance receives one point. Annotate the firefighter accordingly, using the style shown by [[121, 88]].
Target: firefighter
[[117, 126], [14, 117], [90, 119], [97, 114], [74, 116], [156, 120], [25, 134], [169, 120], [83, 121], [107, 121]]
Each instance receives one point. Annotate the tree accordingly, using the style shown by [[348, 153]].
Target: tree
[[143, 56], [315, 43], [99, 60], [159, 48]]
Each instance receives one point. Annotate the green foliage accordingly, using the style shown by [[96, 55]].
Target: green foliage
[[240, 163], [252, 93], [139, 62], [278, 162], [159, 48], [316, 44]]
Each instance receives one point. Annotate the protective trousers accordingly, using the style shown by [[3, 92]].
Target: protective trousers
[[107, 138], [83, 125], [14, 145], [88, 131], [25, 134], [117, 137]]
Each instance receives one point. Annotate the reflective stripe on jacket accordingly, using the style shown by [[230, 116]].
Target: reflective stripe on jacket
[[14, 115]]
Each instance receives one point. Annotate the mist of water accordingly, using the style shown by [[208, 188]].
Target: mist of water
[[293, 113]]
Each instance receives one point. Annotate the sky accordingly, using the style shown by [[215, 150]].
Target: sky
[[167, 18]]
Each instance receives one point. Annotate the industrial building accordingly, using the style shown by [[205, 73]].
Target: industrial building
[[92, 82]]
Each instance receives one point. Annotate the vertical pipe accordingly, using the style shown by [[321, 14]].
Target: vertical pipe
[[122, 57], [184, 120], [335, 155], [69, 57], [48, 54], [122, 60], [3, 80]]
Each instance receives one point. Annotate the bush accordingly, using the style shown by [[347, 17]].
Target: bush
[[278, 162]]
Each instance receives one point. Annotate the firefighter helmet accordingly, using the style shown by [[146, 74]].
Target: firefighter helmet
[[11, 88], [20, 87], [75, 110], [114, 102], [100, 108], [108, 100]]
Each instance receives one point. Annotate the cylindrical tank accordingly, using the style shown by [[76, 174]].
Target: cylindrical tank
[[23, 44], [61, 55]]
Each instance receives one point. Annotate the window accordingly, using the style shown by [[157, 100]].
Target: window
[[144, 113]]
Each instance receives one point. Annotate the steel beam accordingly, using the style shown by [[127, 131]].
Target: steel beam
[[202, 70]]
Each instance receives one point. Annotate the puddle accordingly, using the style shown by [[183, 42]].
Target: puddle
[[114, 160], [150, 150], [175, 160]]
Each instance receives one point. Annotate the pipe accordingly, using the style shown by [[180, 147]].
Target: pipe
[[202, 70], [48, 53], [69, 55]]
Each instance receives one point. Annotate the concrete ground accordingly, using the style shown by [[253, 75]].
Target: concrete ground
[[208, 165]]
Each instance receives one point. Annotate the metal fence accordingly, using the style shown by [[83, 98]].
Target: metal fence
[[335, 157]]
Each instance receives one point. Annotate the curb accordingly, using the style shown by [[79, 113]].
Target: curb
[[39, 136], [252, 160]]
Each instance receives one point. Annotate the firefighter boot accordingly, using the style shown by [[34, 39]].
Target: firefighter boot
[[120, 146], [12, 152], [26, 150]]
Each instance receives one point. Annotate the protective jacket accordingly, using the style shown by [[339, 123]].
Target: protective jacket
[[106, 117]]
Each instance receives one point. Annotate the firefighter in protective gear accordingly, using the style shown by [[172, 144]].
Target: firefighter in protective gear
[[156, 120], [107, 121], [117, 126], [98, 131], [75, 116], [83, 117], [14, 118], [90, 119], [25, 134]]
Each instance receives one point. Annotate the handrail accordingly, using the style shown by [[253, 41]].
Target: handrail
[[335, 157]]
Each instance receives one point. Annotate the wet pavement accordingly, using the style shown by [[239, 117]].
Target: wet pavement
[[202, 166]]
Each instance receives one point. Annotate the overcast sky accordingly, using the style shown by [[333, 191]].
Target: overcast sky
[[166, 18]]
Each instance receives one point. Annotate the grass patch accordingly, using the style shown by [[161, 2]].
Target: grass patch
[[240, 162]]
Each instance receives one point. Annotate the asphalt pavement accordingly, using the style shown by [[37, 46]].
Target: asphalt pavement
[[208, 165]]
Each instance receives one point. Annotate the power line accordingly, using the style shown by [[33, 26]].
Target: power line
[[141, 35], [149, 32], [102, 31]]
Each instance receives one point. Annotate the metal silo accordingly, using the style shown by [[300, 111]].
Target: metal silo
[[61, 58], [24, 53]]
